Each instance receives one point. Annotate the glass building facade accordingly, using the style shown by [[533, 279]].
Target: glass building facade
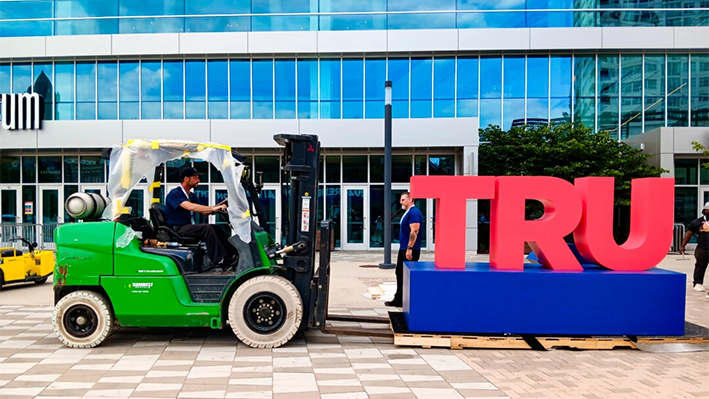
[[625, 94], [99, 79], [94, 17]]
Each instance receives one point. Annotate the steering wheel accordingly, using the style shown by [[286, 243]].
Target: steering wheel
[[225, 201]]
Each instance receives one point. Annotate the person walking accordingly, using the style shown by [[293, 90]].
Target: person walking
[[700, 227], [409, 243]]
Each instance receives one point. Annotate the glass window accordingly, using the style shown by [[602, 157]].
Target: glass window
[[64, 87], [69, 189], [585, 90], [10, 169], [240, 84], [352, 21], [374, 79], [71, 169], [467, 86], [376, 212], [263, 89], [560, 106], [107, 90], [421, 87], [22, 10], [285, 89], [631, 95], [332, 206], [513, 111], [29, 169], [332, 169], [83, 9], [283, 23], [686, 200], [353, 88], [491, 19], [654, 91], [330, 89], [608, 93], [700, 90], [441, 165], [43, 85], [21, 78], [5, 80], [129, 92], [444, 87], [420, 164], [150, 82], [399, 76], [686, 171], [50, 169], [269, 166], [355, 168], [421, 21], [195, 89], [401, 168], [173, 92], [537, 89], [490, 91], [173, 169], [218, 89], [92, 169], [151, 25], [217, 24], [308, 89], [376, 168], [677, 90], [85, 90]]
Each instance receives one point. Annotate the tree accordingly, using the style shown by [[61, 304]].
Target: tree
[[703, 150], [566, 151]]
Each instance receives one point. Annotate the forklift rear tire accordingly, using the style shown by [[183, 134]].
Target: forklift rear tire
[[265, 311], [82, 319]]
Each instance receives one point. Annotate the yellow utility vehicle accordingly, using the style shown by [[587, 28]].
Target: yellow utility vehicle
[[18, 267]]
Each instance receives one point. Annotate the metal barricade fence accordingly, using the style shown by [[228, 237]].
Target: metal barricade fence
[[42, 234], [677, 237]]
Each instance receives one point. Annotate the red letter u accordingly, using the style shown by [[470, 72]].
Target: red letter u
[[651, 218]]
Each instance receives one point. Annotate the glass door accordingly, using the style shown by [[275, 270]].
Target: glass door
[[430, 222], [50, 217], [11, 213], [355, 227], [271, 203]]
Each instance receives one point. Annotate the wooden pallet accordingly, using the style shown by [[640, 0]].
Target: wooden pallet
[[404, 337]]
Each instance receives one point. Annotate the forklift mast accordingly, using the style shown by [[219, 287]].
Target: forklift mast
[[300, 160]]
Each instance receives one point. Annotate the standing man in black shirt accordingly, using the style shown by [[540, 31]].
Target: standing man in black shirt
[[700, 227]]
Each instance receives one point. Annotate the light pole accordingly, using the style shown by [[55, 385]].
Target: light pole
[[387, 177]]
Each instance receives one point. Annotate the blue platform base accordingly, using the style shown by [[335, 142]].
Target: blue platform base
[[537, 301]]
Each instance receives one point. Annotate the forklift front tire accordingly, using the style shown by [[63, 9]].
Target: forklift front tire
[[265, 311], [82, 319]]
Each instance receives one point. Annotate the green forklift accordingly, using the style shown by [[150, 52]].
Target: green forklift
[[114, 268]]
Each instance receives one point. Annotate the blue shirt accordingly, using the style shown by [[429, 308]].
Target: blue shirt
[[412, 216], [175, 215]]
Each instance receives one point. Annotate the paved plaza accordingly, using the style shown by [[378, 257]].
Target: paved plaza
[[204, 363]]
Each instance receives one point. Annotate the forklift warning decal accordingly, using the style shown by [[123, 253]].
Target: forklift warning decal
[[305, 215], [584, 208], [140, 288]]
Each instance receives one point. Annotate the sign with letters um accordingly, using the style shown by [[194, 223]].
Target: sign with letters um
[[24, 111]]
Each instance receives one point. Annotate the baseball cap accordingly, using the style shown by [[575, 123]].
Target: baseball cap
[[188, 172], [706, 206]]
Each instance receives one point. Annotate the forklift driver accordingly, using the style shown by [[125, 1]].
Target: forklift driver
[[180, 206]]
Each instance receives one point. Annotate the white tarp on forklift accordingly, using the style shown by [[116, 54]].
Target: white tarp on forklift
[[137, 159]]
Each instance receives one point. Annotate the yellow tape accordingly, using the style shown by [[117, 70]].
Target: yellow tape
[[246, 214], [200, 147], [156, 145], [120, 209], [156, 184], [154, 200]]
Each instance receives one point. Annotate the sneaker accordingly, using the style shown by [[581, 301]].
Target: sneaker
[[698, 287], [394, 303]]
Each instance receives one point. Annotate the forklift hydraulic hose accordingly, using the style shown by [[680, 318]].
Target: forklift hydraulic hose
[[295, 247]]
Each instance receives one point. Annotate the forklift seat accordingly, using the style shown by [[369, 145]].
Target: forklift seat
[[166, 233]]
